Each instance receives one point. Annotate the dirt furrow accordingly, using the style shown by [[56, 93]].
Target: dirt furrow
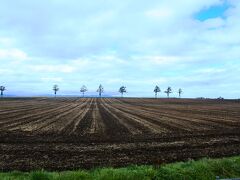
[[16, 123], [82, 127], [70, 126], [138, 125], [197, 122], [164, 122], [113, 127], [46, 125], [97, 126]]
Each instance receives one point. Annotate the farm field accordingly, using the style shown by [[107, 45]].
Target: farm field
[[73, 133]]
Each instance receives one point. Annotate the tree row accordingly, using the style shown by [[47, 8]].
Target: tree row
[[100, 90]]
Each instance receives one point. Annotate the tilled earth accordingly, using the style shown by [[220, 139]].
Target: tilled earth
[[73, 133]]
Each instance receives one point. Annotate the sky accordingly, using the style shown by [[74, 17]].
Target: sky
[[188, 44]]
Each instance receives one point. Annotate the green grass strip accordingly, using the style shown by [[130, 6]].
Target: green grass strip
[[192, 170]]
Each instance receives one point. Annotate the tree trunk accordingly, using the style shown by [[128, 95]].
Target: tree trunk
[[155, 94]]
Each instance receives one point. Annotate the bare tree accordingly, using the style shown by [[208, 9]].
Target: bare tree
[[156, 90], [55, 89], [2, 88], [180, 92], [122, 90], [100, 90], [168, 91], [83, 89]]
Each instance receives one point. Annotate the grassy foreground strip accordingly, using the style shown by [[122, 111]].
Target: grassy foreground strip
[[202, 169]]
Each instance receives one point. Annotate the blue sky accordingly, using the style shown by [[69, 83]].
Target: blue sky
[[193, 45]]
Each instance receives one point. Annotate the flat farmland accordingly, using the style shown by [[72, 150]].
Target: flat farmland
[[73, 133]]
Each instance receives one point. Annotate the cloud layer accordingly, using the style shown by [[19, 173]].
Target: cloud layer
[[193, 45]]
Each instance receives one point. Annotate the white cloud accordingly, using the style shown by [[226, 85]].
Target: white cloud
[[162, 60], [5, 41], [13, 54], [160, 13], [5, 71], [51, 79], [53, 68], [211, 71], [213, 23]]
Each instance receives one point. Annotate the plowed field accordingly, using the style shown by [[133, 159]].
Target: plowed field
[[72, 133]]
